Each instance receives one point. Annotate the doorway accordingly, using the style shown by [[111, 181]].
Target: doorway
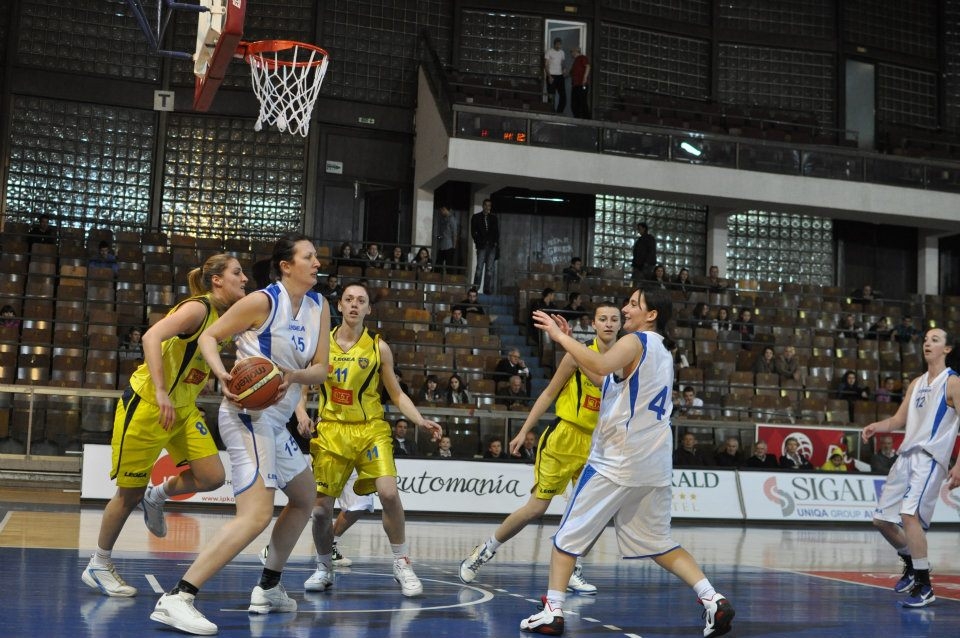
[[571, 34]]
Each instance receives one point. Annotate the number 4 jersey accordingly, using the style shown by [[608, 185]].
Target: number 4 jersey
[[351, 393], [632, 444]]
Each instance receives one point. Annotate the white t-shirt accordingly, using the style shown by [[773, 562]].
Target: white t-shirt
[[555, 60]]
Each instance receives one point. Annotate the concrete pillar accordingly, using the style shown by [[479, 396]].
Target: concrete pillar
[[717, 239], [423, 218], [928, 261]]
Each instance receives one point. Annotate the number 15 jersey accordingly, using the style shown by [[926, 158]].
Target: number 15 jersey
[[351, 392]]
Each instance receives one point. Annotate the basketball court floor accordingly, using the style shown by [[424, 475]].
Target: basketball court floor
[[792, 582]]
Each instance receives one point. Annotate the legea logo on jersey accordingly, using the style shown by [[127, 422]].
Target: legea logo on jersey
[[591, 403], [341, 396], [195, 377], [775, 495]]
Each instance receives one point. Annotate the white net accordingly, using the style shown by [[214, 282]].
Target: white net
[[287, 83]]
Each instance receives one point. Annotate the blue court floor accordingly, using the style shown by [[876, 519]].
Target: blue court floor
[[783, 582]]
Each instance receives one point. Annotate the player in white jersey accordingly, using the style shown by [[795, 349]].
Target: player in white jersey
[[628, 473], [929, 412], [290, 324]]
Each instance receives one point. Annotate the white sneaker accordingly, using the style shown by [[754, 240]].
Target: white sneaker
[[410, 585], [339, 560], [107, 581], [548, 621], [176, 611], [320, 580], [718, 614], [264, 601], [153, 514], [578, 584], [471, 564]]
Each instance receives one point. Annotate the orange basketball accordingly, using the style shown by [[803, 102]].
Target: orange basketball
[[255, 381]]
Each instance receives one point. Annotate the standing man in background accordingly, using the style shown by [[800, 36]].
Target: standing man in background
[[553, 74], [486, 238], [448, 230], [579, 79], [644, 255]]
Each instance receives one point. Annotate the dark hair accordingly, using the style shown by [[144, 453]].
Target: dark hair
[[547, 291], [432, 377], [575, 260], [7, 308], [642, 225], [698, 309], [952, 359], [660, 300], [359, 284], [573, 297], [283, 249], [688, 388]]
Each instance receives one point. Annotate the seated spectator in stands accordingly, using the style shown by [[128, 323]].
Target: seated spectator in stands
[[682, 283], [331, 291], [887, 392], [760, 458], [444, 448], [516, 394], [8, 317], [528, 451], [495, 449], [765, 363], [132, 348], [574, 273], [700, 317], [105, 258], [792, 459], [690, 404], [687, 454], [371, 257], [397, 260], [422, 261], [574, 308], [883, 459], [385, 397], [852, 391], [849, 329], [880, 330], [788, 366], [744, 326], [346, 257], [471, 304], [583, 329], [430, 392], [729, 454], [457, 393], [864, 295], [545, 303], [905, 331], [401, 445], [722, 322], [659, 278], [455, 321], [42, 232], [714, 283], [834, 462], [509, 366]]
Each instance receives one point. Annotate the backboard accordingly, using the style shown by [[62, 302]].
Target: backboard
[[219, 32]]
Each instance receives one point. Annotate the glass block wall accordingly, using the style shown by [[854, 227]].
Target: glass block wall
[[680, 229], [501, 44], [951, 76], [903, 26], [68, 36], [688, 11], [778, 78], [770, 246], [85, 165], [807, 18], [906, 96], [223, 179]]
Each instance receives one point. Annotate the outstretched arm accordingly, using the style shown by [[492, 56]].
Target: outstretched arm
[[623, 353], [564, 371], [400, 399], [895, 422]]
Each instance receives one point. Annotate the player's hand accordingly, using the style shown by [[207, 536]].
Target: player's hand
[[305, 425], [515, 444], [435, 429], [167, 412], [551, 324], [868, 432], [953, 480]]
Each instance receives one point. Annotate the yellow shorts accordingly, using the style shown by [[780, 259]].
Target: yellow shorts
[[138, 439], [561, 455], [338, 448]]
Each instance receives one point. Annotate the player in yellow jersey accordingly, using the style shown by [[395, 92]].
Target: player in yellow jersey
[[159, 411], [563, 447], [352, 433]]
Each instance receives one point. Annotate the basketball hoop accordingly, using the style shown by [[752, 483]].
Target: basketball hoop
[[286, 80]]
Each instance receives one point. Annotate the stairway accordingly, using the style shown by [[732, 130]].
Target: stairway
[[504, 310]]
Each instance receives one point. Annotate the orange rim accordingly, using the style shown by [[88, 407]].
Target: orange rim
[[256, 50]]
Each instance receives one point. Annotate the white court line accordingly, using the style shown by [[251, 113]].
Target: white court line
[[6, 518], [633, 636], [612, 628], [154, 584], [589, 619]]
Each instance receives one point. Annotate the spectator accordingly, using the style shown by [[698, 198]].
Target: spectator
[[528, 451], [879, 330], [849, 329], [397, 260], [850, 390], [583, 329], [455, 321], [511, 365], [554, 75], [448, 236], [516, 394], [700, 317], [485, 231], [659, 278], [792, 459], [884, 458], [105, 258], [765, 363], [8, 317], [444, 450], [788, 366], [729, 454], [345, 257], [430, 392], [331, 291], [744, 326], [471, 304], [887, 393], [401, 446], [42, 232], [495, 449], [690, 403], [682, 283], [714, 283], [385, 396], [546, 304], [864, 295], [687, 454], [574, 308], [722, 323], [760, 458], [579, 82], [422, 261], [644, 255], [574, 274], [371, 256], [834, 462], [905, 332], [132, 348], [457, 393]]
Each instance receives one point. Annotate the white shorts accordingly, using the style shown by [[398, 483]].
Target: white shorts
[[641, 517], [349, 501], [258, 448], [913, 486]]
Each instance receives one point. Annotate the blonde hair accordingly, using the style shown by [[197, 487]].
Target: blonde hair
[[200, 279]]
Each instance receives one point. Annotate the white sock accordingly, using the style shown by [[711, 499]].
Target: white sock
[[921, 563], [400, 550], [160, 494], [326, 560], [705, 590], [493, 544], [336, 540], [102, 557], [556, 598], [903, 550]]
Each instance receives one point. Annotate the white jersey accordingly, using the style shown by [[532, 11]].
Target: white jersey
[[632, 444], [287, 340], [931, 423]]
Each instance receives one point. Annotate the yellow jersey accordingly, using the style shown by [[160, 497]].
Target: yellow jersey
[[579, 399], [351, 391]]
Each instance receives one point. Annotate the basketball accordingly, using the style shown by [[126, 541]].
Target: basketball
[[255, 382]]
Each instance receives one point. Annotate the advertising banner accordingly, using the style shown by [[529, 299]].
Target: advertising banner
[[706, 493]]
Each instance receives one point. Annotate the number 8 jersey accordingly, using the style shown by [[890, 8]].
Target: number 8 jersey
[[351, 392], [632, 444]]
